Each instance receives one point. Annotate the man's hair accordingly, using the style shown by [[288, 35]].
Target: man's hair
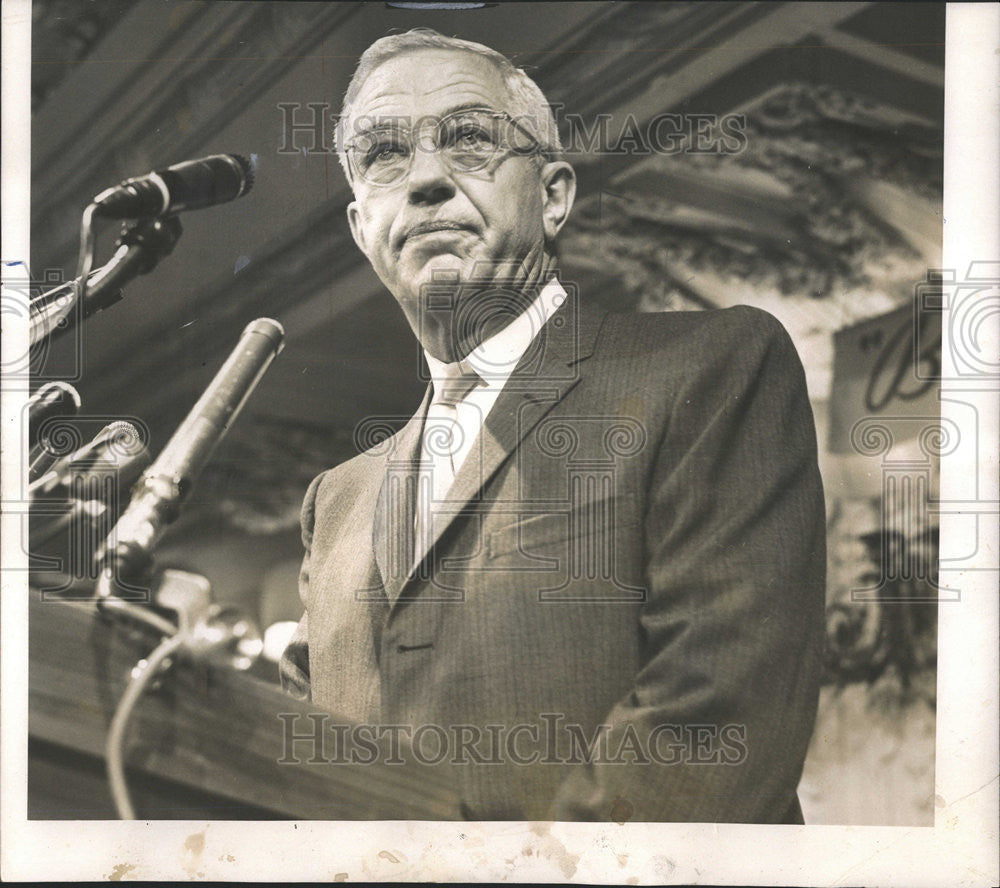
[[528, 104]]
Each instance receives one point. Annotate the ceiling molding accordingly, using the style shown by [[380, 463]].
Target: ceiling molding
[[64, 32], [670, 87], [197, 80], [96, 110], [608, 65], [885, 57]]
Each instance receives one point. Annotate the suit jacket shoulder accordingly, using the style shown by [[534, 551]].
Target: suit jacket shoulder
[[345, 482], [702, 337], [693, 363]]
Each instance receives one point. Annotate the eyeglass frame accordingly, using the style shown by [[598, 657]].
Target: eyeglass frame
[[494, 113]]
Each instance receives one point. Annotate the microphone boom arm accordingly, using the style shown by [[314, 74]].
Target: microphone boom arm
[[140, 247]]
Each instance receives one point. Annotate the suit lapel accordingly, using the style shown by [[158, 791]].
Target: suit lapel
[[392, 534], [544, 376]]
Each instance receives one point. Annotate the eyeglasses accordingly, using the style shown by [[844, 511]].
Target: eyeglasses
[[468, 140]]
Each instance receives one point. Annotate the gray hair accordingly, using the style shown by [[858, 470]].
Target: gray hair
[[528, 103]]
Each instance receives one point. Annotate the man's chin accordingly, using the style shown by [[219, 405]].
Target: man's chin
[[444, 267], [438, 278]]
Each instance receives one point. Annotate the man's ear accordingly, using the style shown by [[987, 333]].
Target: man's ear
[[559, 182], [354, 221]]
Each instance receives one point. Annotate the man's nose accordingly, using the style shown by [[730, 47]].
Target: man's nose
[[430, 179]]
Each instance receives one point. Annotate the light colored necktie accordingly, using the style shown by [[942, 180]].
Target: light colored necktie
[[442, 439]]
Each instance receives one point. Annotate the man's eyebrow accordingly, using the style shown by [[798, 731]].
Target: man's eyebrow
[[392, 121], [379, 123], [469, 106]]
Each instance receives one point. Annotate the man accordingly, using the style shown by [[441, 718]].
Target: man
[[590, 569]]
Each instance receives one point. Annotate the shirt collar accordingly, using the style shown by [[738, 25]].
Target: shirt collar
[[495, 359]]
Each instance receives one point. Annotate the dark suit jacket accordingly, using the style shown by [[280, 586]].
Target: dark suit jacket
[[635, 567]]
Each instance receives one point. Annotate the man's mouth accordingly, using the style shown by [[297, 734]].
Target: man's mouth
[[433, 227]]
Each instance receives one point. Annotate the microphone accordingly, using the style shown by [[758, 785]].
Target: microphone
[[191, 185], [80, 492], [117, 451], [51, 400], [168, 481]]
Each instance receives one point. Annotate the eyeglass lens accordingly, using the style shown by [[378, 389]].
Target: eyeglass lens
[[467, 140]]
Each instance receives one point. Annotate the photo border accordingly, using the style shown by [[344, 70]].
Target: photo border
[[959, 849]]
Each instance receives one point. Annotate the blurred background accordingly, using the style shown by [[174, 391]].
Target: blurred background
[[797, 167]]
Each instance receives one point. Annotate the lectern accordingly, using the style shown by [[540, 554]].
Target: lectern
[[205, 742]]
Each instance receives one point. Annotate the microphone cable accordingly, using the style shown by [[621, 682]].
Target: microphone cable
[[143, 674], [49, 309], [85, 260]]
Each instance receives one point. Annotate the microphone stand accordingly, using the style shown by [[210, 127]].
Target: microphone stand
[[139, 248], [178, 607], [195, 629]]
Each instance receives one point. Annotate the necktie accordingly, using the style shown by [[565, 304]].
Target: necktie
[[442, 439]]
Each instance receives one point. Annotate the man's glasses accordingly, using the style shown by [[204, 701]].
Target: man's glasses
[[467, 140]]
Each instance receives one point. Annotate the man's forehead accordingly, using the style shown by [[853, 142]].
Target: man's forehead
[[430, 81]]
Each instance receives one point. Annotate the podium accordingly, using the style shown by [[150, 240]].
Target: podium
[[205, 743]]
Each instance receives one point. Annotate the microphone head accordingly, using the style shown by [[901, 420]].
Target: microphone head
[[116, 452], [189, 185], [122, 453], [248, 171], [51, 400]]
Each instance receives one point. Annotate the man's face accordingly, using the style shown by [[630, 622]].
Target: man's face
[[501, 213]]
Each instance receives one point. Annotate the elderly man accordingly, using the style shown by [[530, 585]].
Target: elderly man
[[588, 574]]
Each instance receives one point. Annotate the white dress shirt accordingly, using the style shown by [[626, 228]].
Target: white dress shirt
[[493, 361]]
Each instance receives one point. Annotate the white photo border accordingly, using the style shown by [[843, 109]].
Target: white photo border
[[961, 847]]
